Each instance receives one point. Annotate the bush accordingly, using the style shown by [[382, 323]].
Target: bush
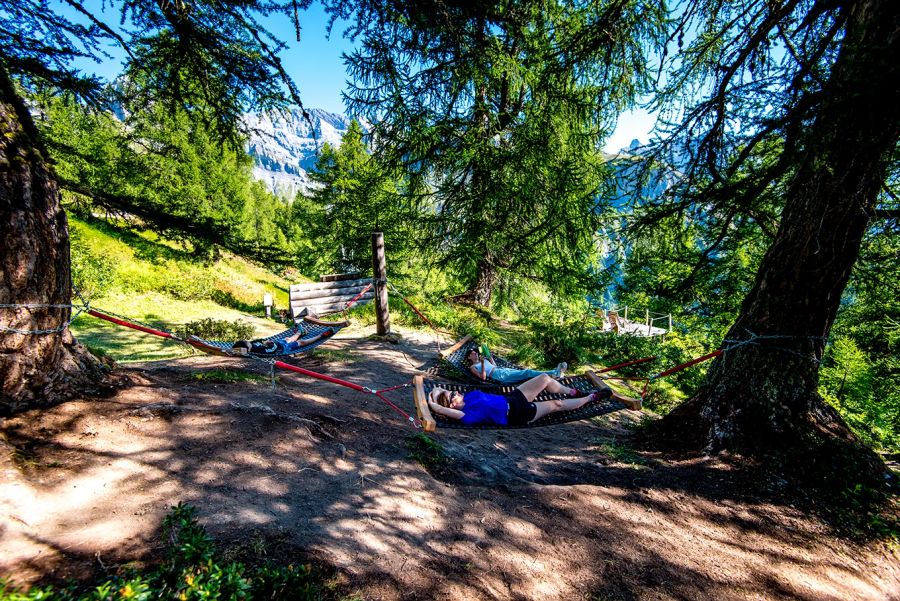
[[92, 274], [192, 570], [216, 329]]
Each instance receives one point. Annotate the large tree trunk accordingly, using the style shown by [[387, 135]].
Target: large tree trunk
[[35, 368], [762, 394], [483, 289]]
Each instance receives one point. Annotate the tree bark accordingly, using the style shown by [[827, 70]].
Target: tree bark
[[35, 369], [762, 392], [483, 289]]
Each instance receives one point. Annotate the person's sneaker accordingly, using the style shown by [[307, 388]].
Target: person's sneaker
[[561, 369], [601, 395]]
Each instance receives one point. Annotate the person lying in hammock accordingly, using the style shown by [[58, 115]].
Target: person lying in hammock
[[285, 346], [513, 409], [485, 368]]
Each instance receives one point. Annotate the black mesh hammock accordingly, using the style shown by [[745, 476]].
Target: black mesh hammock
[[455, 357], [308, 328], [585, 384]]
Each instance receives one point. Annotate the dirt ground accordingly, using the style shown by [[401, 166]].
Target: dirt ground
[[324, 472]]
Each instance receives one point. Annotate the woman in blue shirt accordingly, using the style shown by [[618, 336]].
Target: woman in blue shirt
[[514, 409]]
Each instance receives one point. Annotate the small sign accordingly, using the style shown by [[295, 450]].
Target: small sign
[[267, 299]]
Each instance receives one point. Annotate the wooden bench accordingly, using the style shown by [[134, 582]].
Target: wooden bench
[[329, 295]]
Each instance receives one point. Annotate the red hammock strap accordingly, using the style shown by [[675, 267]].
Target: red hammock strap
[[357, 297], [130, 324], [678, 368], [644, 391], [350, 385], [626, 364]]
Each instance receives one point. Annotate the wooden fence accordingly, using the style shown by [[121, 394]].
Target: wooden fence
[[331, 294]]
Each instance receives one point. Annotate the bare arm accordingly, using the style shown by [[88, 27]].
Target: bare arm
[[445, 411], [478, 373]]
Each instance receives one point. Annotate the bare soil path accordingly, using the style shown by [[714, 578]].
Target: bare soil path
[[312, 470]]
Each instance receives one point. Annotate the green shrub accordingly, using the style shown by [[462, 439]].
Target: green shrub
[[192, 570], [216, 329], [92, 274], [848, 381]]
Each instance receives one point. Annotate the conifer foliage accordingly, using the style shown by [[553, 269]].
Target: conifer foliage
[[210, 60], [494, 112]]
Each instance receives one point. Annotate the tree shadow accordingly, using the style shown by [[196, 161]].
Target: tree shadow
[[325, 470]]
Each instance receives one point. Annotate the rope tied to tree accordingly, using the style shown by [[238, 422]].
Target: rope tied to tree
[[77, 310], [754, 340]]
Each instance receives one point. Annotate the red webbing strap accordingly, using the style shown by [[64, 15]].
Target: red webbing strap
[[626, 364], [425, 319], [350, 385], [678, 368], [129, 324], [357, 297]]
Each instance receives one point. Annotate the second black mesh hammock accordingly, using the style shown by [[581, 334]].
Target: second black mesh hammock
[[317, 330], [585, 384], [455, 357]]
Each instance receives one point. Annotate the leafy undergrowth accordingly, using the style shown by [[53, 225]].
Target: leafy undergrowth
[[195, 569]]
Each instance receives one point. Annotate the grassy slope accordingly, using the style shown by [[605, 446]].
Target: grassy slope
[[160, 284]]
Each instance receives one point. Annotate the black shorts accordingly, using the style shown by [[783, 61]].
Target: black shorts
[[521, 410]]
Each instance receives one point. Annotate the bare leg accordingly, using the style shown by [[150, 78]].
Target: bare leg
[[535, 386], [545, 407]]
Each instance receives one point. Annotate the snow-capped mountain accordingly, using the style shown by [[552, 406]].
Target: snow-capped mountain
[[284, 146]]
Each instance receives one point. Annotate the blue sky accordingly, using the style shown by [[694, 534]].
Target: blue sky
[[315, 64]]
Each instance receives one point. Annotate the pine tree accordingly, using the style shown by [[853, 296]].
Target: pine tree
[[170, 46], [495, 111]]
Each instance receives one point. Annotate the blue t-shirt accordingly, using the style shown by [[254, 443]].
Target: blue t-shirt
[[484, 408]]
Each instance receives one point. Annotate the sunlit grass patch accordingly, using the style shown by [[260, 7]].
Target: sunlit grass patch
[[621, 454], [229, 376], [158, 311]]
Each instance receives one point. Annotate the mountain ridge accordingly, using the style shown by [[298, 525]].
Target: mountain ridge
[[284, 146]]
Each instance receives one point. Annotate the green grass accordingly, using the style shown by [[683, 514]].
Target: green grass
[[622, 454], [157, 283], [428, 453], [228, 376]]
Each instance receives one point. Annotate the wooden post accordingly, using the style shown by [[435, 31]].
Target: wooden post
[[379, 273]]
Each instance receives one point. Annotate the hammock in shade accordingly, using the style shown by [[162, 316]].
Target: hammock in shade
[[587, 383], [455, 357], [308, 328]]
